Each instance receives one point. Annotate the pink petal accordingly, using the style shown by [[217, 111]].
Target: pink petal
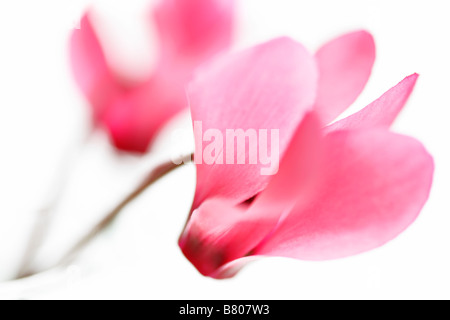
[[270, 86], [134, 118], [219, 232], [90, 69], [194, 30], [380, 113], [232, 268], [132, 114], [299, 173], [376, 185], [345, 65]]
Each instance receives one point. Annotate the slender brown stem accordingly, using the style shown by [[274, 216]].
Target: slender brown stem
[[154, 176], [44, 215]]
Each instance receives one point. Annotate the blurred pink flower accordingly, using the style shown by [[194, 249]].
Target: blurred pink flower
[[341, 189], [190, 32]]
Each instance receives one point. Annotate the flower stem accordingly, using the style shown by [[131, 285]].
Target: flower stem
[[153, 177], [45, 214]]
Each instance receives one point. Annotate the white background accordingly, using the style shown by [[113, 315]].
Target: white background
[[43, 120]]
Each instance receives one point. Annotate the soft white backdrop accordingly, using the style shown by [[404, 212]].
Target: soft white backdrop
[[43, 120]]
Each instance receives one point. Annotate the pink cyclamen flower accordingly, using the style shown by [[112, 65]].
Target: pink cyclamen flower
[[341, 189], [190, 32]]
